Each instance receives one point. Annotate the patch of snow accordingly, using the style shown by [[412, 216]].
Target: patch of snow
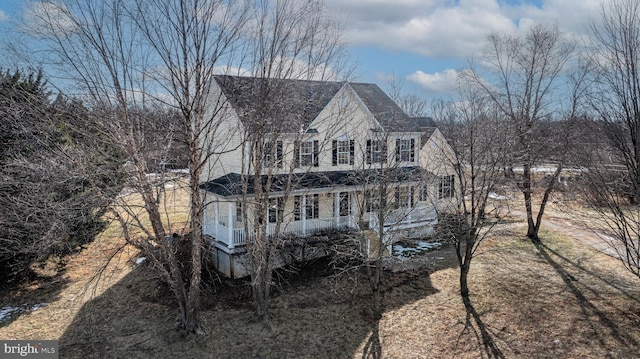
[[139, 261], [7, 313], [408, 249], [500, 197], [38, 306]]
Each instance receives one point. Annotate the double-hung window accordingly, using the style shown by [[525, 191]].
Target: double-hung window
[[376, 151], [344, 204], [311, 207], [447, 187], [373, 200], [343, 152], [272, 154], [306, 154], [424, 193], [405, 150], [404, 196], [276, 209], [239, 211]]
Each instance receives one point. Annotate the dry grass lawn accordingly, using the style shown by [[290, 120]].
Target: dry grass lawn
[[559, 300]]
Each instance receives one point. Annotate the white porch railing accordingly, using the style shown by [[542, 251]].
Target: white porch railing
[[231, 232], [404, 218], [234, 237]]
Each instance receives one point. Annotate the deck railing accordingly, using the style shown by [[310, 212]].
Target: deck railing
[[235, 237]]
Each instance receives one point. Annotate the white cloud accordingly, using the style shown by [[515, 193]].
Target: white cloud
[[3, 16], [48, 18], [444, 28], [445, 82]]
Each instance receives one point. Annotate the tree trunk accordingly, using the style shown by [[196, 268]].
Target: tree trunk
[[525, 187], [192, 323], [261, 290], [545, 199], [464, 286]]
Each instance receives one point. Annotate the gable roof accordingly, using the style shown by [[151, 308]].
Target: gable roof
[[289, 106], [384, 109], [283, 105]]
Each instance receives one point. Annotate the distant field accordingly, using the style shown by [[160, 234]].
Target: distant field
[[561, 300]]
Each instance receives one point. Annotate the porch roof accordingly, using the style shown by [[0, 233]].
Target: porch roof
[[231, 184]]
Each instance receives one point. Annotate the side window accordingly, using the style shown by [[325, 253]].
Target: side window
[[405, 150], [447, 187]]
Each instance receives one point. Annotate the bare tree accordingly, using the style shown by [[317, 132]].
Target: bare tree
[[391, 195], [480, 153], [526, 80], [288, 40], [412, 104], [473, 130], [128, 57], [614, 173], [392, 201]]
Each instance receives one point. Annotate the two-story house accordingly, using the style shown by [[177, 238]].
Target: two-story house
[[324, 151]]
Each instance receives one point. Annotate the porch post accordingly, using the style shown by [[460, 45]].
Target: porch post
[[303, 212], [231, 225], [352, 209], [336, 208], [216, 217], [409, 202]]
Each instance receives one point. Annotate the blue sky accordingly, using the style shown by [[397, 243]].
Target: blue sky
[[423, 42]]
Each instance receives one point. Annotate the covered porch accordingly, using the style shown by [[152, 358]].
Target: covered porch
[[300, 215]]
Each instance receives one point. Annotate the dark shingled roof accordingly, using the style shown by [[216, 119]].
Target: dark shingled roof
[[384, 109], [282, 105], [424, 122], [426, 125], [288, 105], [231, 184]]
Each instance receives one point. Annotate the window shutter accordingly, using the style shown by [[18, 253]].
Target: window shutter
[[352, 152], [296, 154], [316, 162], [297, 211], [279, 154], [334, 152], [397, 150], [384, 151], [412, 197], [412, 156], [368, 154], [397, 203]]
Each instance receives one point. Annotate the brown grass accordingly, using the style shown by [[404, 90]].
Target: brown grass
[[559, 300]]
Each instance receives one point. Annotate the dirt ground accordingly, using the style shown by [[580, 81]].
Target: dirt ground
[[562, 299]]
